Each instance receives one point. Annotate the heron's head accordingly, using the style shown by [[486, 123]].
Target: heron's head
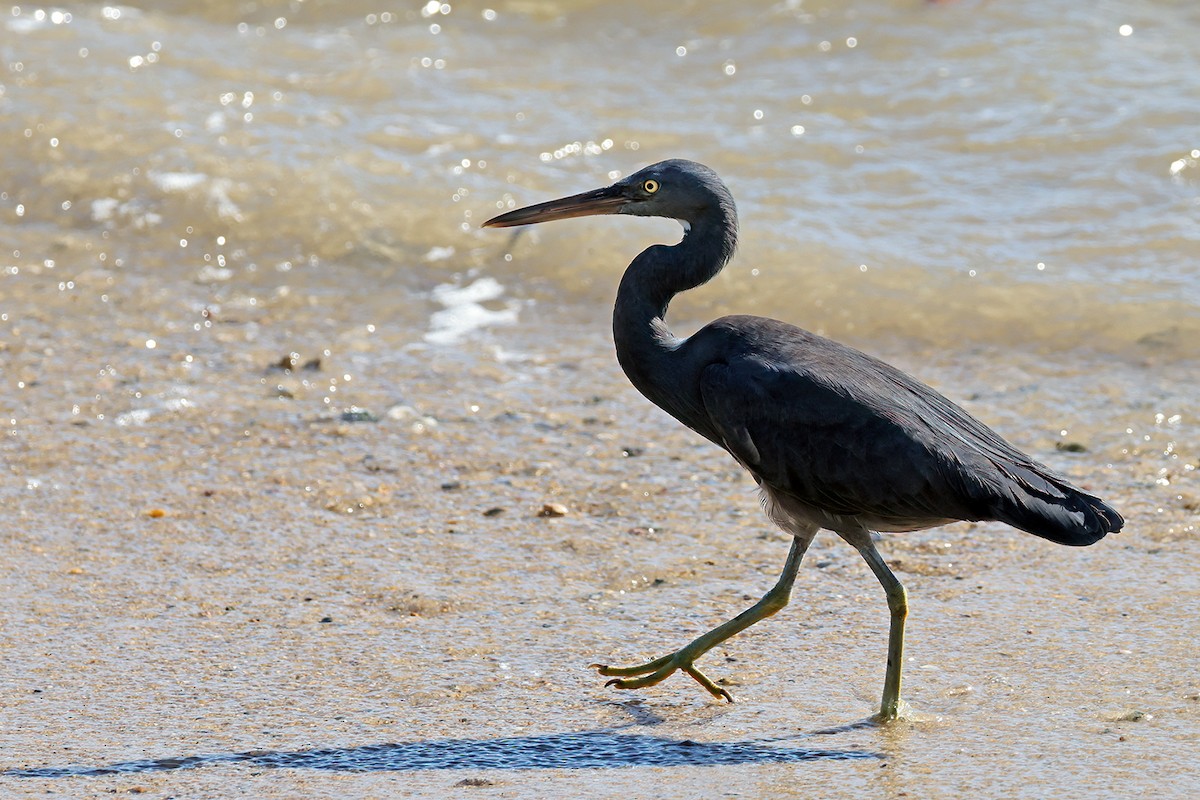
[[676, 189]]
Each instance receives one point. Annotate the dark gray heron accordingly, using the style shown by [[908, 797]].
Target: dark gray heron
[[835, 439]]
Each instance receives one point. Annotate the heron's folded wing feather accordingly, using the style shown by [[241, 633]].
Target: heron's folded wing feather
[[852, 436]]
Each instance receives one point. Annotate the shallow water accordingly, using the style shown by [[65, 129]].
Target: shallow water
[[1010, 173], [264, 370]]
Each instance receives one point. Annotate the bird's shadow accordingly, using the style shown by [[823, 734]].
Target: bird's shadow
[[596, 749]]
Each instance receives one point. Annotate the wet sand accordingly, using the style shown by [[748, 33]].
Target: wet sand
[[260, 593], [279, 418]]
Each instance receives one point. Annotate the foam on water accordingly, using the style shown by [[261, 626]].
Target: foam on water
[[464, 311]]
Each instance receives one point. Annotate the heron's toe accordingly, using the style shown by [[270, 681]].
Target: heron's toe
[[657, 671], [702, 679], [641, 669]]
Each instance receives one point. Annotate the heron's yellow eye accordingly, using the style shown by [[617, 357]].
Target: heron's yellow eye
[[651, 186]]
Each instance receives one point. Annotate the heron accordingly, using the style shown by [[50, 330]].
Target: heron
[[835, 438]]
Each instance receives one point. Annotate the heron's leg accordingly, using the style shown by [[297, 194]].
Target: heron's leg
[[683, 659], [897, 598]]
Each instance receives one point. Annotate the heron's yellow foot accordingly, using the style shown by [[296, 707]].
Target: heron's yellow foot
[[898, 711], [657, 671]]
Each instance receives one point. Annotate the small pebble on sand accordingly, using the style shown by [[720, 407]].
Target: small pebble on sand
[[553, 510]]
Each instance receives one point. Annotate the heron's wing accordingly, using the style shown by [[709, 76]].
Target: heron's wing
[[852, 436], [822, 444]]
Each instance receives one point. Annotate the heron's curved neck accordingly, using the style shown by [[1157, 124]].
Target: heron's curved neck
[[653, 279]]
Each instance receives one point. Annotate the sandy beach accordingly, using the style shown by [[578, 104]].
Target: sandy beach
[[262, 597], [312, 488]]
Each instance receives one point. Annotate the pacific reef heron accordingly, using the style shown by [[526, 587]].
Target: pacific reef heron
[[835, 439]]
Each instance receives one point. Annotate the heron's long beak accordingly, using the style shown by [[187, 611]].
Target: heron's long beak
[[599, 201]]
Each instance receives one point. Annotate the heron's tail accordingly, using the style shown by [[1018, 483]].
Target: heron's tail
[[1047, 506]]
